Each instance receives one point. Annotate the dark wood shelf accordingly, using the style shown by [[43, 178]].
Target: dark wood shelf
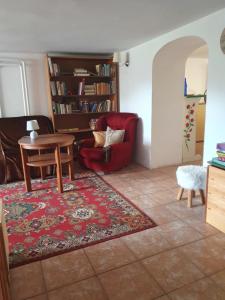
[[196, 96], [83, 113], [71, 76], [80, 96], [74, 130]]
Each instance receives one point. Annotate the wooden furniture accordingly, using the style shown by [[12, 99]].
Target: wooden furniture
[[11, 130], [191, 195], [81, 88], [42, 160], [4, 266], [215, 208]]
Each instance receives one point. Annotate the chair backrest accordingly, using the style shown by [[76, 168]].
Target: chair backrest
[[127, 121]]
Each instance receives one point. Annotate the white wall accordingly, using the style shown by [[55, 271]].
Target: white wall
[[168, 101], [136, 83], [36, 82]]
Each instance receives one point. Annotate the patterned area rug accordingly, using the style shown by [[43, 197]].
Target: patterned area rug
[[44, 222]]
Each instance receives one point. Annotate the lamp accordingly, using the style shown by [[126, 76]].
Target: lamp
[[32, 125], [117, 59]]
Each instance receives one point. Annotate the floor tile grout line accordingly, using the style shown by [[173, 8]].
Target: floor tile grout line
[[89, 260], [43, 275]]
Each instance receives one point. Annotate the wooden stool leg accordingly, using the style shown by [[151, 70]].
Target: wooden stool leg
[[180, 194], [190, 195], [58, 169], [193, 193], [71, 165], [202, 196], [26, 169], [43, 172]]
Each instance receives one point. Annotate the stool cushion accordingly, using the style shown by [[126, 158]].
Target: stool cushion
[[191, 177]]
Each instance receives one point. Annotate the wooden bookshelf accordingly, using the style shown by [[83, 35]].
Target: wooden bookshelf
[[81, 88]]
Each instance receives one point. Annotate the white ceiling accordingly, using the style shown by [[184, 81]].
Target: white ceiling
[[93, 25]]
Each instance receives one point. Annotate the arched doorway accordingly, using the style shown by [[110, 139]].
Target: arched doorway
[[168, 105]]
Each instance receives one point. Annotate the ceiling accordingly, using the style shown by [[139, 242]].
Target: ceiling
[[93, 25]]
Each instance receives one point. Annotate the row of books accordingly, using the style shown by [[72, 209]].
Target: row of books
[[103, 106], [103, 69], [58, 88], [84, 106], [61, 108], [53, 68]]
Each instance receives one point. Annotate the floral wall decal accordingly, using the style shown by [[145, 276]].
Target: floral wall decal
[[189, 123]]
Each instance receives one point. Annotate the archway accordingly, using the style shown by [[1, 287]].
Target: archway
[[168, 100]]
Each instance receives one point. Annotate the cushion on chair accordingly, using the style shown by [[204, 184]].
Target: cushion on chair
[[99, 137], [191, 177], [113, 136]]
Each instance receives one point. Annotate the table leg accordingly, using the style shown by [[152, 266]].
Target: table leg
[[43, 172], [58, 169], [26, 169], [71, 165]]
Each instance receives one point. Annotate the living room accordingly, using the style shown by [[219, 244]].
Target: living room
[[134, 219]]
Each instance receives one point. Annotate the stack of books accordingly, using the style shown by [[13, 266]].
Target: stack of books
[[220, 150], [80, 72], [219, 161], [103, 106], [90, 89]]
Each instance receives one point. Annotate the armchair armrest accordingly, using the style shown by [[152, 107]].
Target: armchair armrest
[[87, 143]]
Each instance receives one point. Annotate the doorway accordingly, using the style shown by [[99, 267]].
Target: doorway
[[168, 101], [196, 73]]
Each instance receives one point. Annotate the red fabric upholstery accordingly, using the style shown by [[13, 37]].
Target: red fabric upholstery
[[120, 154]]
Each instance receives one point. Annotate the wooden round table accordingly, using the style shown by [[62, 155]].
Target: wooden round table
[[47, 142]]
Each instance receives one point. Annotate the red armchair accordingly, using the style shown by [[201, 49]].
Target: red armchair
[[119, 154]]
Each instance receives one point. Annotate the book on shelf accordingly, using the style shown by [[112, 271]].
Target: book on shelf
[[81, 72], [58, 88], [61, 108], [54, 69], [103, 106], [81, 87], [103, 69], [50, 66]]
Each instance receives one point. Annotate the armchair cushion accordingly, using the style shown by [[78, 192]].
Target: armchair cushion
[[113, 136], [99, 137]]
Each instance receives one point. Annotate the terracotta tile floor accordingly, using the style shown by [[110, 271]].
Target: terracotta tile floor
[[182, 259]]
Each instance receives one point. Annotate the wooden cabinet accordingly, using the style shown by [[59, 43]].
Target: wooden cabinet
[[215, 209], [81, 88]]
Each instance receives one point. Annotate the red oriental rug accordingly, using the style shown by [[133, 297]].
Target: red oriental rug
[[44, 222]]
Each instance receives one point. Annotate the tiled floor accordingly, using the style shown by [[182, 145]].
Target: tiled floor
[[181, 259]]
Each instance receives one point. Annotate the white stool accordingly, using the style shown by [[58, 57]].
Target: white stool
[[191, 178]]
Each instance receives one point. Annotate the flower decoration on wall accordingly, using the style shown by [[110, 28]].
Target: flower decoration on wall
[[189, 123]]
